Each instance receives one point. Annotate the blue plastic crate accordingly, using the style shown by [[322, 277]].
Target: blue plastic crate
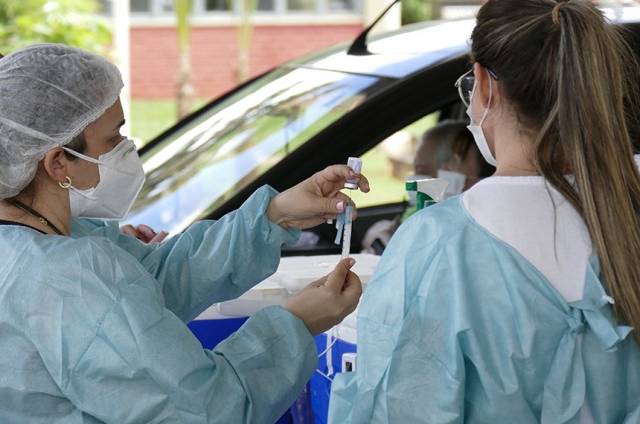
[[210, 332]]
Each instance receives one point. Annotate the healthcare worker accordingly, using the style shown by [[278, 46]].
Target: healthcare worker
[[92, 321], [515, 302]]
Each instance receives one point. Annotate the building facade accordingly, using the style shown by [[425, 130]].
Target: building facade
[[282, 30]]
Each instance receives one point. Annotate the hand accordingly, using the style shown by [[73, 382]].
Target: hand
[[144, 233], [314, 200], [326, 302]]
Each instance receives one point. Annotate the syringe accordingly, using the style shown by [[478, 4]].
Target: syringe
[[344, 222], [346, 239], [356, 166]]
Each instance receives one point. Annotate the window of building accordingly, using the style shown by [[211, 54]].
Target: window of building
[[341, 5], [164, 6], [302, 5], [105, 7], [203, 7], [266, 5], [143, 6], [217, 5]]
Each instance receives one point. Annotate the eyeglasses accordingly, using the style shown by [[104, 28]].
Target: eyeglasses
[[466, 82], [465, 87]]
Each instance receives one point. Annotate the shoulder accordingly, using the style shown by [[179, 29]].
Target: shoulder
[[89, 270], [435, 228], [428, 247], [441, 259], [81, 227], [61, 293]]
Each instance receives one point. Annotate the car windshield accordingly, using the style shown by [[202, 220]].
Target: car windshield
[[199, 166]]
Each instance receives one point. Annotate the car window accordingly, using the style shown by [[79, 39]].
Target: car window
[[389, 162], [204, 163]]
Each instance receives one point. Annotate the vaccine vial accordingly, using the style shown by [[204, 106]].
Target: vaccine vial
[[356, 166]]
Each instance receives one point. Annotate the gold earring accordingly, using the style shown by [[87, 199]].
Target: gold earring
[[66, 185]]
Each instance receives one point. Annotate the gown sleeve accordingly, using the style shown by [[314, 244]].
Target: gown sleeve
[[410, 364], [119, 355], [212, 261]]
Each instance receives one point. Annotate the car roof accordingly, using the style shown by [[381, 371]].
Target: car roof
[[399, 53], [415, 47]]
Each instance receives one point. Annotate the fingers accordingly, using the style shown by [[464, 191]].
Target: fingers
[[336, 279], [333, 211], [333, 205], [146, 231], [129, 230], [343, 197], [348, 200], [338, 174], [159, 237], [363, 184], [319, 283]]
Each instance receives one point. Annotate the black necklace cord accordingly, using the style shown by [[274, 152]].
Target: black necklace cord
[[44, 221]]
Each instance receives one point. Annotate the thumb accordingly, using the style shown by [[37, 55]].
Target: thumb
[[338, 276]]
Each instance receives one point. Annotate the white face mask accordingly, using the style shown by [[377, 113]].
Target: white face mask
[[456, 182], [121, 179], [476, 129]]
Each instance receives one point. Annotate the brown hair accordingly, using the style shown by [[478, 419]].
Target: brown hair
[[78, 144], [566, 71]]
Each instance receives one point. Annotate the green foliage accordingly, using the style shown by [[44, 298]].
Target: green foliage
[[72, 22], [420, 10], [415, 11], [149, 117]]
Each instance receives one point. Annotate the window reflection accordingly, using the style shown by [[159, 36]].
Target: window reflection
[[200, 166]]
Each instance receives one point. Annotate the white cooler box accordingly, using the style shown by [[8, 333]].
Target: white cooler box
[[293, 275]]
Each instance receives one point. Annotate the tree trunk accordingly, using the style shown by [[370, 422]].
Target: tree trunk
[[245, 33], [184, 94]]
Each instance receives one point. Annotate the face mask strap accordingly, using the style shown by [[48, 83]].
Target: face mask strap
[[121, 146], [83, 193], [486, 110], [81, 156]]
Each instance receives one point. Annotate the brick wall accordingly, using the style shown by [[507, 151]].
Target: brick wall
[[154, 54]]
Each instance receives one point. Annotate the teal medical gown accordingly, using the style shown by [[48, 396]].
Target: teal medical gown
[[93, 328], [456, 326]]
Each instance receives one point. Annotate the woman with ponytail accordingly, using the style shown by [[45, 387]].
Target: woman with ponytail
[[518, 301]]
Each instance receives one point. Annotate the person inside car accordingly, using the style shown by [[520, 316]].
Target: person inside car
[[448, 151], [445, 151]]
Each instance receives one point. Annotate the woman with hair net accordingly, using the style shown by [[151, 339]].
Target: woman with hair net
[[94, 321]]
